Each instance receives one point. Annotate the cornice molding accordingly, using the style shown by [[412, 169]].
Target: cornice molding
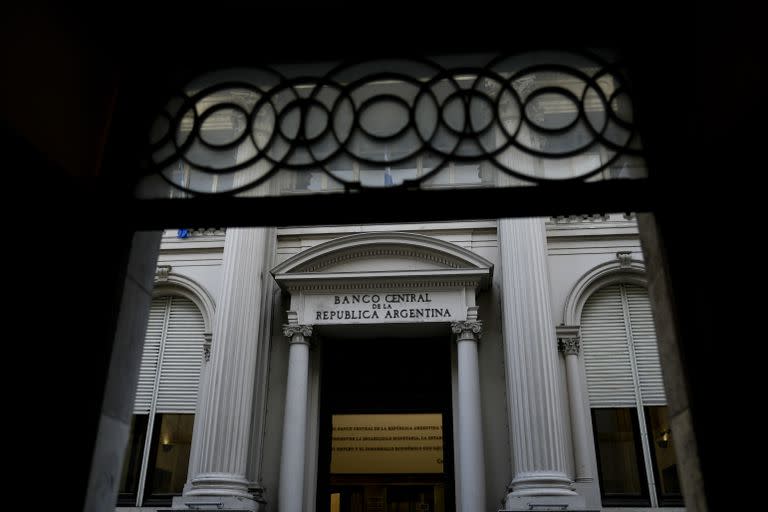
[[207, 231], [570, 219], [291, 284]]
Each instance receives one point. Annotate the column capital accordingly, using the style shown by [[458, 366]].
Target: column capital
[[468, 329], [568, 339], [291, 330], [568, 346]]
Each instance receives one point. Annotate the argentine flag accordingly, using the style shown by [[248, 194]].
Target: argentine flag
[[388, 181]]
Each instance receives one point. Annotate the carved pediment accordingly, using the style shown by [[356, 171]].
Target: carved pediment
[[371, 255], [380, 257]]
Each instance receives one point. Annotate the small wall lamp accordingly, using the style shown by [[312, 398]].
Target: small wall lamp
[[664, 437]]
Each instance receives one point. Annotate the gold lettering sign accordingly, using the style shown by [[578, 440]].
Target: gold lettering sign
[[387, 443]]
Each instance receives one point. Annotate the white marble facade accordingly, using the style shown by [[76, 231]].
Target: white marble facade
[[503, 290]]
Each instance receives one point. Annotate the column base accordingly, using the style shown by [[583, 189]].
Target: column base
[[545, 503], [218, 485], [542, 483], [215, 503]]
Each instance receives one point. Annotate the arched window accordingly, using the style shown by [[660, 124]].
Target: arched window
[[634, 448], [155, 467]]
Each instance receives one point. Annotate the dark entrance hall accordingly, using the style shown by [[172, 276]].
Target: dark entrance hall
[[386, 426]]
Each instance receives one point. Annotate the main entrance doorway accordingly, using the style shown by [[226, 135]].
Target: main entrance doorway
[[386, 442]]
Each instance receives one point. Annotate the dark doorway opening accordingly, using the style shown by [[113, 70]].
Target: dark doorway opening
[[386, 436]]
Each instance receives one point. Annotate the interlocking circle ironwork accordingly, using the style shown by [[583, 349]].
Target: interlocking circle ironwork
[[537, 117]]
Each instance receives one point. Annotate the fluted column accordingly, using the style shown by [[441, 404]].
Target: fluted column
[[535, 405], [227, 396], [290, 494], [568, 344], [471, 468], [219, 457]]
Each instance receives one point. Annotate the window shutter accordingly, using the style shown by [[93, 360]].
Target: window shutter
[[645, 346], [175, 333], [149, 357], [182, 358], [606, 350]]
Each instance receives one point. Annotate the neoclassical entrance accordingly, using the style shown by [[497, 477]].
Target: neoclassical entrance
[[399, 403]]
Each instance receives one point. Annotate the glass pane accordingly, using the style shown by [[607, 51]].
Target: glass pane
[[616, 433], [173, 439], [663, 452], [129, 481], [467, 174]]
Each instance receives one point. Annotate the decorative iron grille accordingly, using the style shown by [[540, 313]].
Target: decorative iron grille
[[513, 120]]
